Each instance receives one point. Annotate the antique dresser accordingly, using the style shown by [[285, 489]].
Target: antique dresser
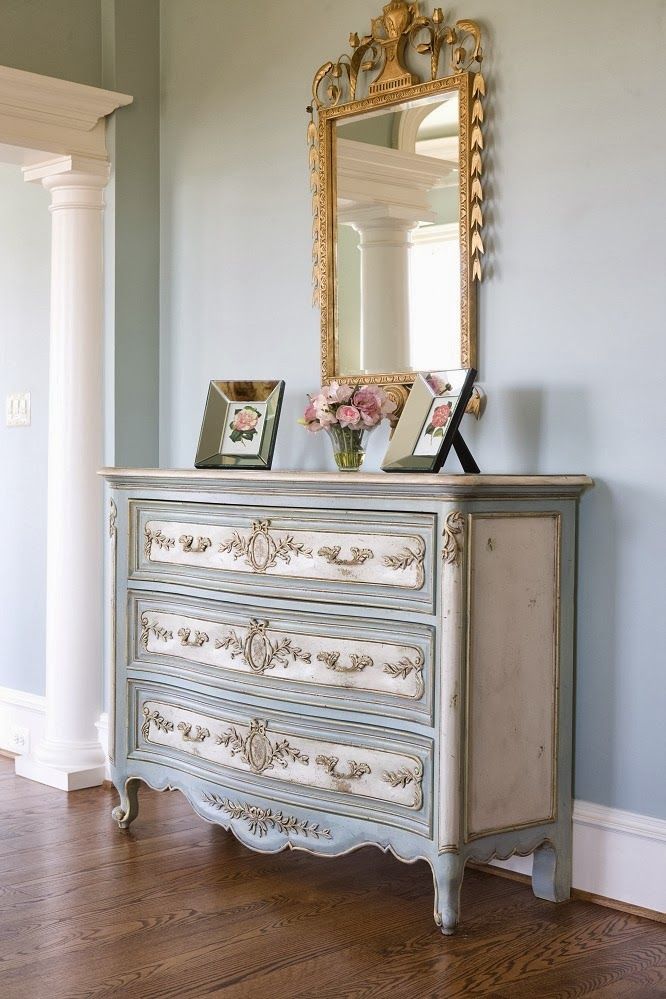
[[325, 661]]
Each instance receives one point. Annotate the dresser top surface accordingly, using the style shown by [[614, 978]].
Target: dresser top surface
[[357, 482]]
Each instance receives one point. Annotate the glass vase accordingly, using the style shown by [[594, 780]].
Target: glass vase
[[349, 444]]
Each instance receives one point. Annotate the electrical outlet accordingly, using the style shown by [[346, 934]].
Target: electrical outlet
[[19, 739], [18, 409]]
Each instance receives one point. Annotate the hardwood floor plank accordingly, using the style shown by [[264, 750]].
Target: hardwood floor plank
[[178, 909]]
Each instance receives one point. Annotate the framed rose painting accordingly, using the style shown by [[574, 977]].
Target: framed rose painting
[[428, 425], [239, 425]]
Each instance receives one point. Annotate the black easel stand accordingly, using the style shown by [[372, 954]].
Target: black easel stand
[[464, 454]]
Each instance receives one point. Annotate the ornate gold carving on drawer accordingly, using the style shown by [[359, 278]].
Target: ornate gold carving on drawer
[[257, 749], [154, 717], [312, 549], [262, 651], [258, 652], [409, 558], [356, 663], [356, 770], [262, 550], [260, 820], [403, 777], [341, 768], [157, 537], [358, 555], [188, 544]]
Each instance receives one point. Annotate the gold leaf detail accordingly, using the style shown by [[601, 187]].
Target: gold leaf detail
[[477, 138], [477, 242], [477, 111], [479, 85], [477, 190], [477, 165], [476, 269], [477, 217]]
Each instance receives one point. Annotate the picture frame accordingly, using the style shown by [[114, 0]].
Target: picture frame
[[240, 424], [429, 424]]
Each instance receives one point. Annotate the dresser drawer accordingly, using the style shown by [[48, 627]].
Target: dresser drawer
[[386, 557], [344, 662], [305, 756]]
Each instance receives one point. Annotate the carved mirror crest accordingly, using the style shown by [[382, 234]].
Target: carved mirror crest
[[396, 167]]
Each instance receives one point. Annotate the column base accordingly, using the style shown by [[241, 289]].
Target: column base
[[64, 778]]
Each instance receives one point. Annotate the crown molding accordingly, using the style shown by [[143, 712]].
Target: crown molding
[[54, 116]]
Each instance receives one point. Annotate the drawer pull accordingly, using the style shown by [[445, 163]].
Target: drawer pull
[[357, 663], [358, 555], [188, 544], [356, 770], [200, 734], [258, 652], [149, 628], [403, 777], [257, 750], [260, 820], [157, 537], [404, 668], [200, 638], [262, 550], [156, 719]]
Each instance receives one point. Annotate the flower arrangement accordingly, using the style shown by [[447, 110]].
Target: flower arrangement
[[358, 407], [347, 413]]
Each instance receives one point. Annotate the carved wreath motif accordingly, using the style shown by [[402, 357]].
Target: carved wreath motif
[[355, 772], [358, 555], [159, 538], [154, 717], [258, 651], [257, 750], [260, 820], [403, 777], [149, 628], [262, 550], [405, 667], [453, 537], [357, 662]]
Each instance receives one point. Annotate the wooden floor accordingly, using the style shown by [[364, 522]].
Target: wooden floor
[[178, 908]]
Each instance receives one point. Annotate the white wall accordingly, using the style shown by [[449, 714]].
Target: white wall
[[572, 346], [25, 242]]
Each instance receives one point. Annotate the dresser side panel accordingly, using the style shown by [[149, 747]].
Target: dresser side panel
[[513, 593]]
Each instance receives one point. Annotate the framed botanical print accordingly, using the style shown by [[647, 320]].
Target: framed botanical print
[[428, 425], [240, 424]]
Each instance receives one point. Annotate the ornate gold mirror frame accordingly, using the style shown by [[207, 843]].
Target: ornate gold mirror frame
[[397, 38]]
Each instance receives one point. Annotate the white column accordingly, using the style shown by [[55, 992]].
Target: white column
[[71, 756]]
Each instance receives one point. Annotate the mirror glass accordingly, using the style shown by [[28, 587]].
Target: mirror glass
[[397, 238]]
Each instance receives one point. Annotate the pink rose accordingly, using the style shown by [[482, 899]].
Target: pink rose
[[244, 420], [441, 415], [309, 413], [348, 416], [373, 404], [337, 393], [322, 410]]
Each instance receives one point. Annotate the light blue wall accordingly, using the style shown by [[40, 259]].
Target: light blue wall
[[25, 241], [572, 349]]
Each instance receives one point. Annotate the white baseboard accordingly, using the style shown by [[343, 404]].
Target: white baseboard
[[23, 722], [618, 855]]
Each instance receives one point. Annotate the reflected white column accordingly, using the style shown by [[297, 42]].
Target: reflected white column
[[385, 241], [71, 756]]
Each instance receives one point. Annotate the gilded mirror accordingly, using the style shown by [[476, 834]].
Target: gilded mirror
[[396, 173]]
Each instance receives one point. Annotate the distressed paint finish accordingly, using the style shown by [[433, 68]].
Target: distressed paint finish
[[424, 781]]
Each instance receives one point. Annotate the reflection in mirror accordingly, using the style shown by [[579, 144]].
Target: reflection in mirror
[[398, 253]]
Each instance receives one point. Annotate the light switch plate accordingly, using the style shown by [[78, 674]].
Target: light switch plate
[[18, 409]]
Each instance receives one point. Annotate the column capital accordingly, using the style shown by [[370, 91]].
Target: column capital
[[69, 171]]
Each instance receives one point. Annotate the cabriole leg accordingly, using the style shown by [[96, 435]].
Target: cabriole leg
[[447, 872], [551, 873], [128, 809]]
